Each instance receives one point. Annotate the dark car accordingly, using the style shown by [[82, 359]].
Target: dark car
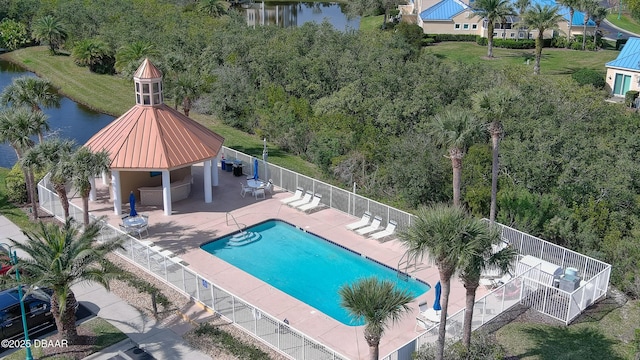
[[37, 306]]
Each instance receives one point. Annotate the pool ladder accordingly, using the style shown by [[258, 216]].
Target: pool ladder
[[236, 222], [408, 262]]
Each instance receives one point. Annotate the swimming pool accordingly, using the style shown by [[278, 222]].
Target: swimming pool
[[305, 266]]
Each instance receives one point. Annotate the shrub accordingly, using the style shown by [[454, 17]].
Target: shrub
[[16, 187], [483, 347], [428, 41], [229, 343], [507, 43], [576, 45], [559, 42], [453, 37], [630, 97], [589, 76]]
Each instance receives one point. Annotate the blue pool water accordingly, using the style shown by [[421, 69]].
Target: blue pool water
[[304, 266]]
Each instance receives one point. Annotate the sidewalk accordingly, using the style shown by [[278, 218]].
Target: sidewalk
[[162, 340]]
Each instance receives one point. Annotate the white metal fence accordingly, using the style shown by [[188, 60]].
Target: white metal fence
[[332, 196], [251, 319], [540, 296], [527, 288]]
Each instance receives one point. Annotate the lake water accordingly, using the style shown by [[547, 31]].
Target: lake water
[[295, 14], [70, 121]]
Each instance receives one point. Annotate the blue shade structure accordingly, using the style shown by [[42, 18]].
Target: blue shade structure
[[436, 301]]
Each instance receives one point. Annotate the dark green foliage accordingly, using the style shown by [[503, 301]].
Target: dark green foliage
[[13, 34], [354, 102], [508, 43], [630, 96], [16, 188], [620, 43], [412, 33], [589, 77], [452, 37], [227, 342], [483, 347]]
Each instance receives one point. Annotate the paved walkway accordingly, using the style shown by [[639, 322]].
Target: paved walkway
[[162, 340]]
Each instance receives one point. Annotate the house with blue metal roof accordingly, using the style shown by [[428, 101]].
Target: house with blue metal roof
[[623, 73], [456, 17]]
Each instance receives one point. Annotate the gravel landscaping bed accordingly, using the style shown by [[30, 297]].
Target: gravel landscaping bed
[[142, 301]]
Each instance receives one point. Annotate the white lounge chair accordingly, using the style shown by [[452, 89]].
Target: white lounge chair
[[364, 221], [296, 196], [389, 230], [375, 225], [305, 200], [315, 203]]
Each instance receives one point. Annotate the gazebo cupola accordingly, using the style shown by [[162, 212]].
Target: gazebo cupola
[[148, 80]]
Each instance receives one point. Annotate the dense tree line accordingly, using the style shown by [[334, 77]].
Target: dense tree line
[[361, 107]]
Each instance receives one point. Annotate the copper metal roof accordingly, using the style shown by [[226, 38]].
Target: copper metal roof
[[155, 137], [147, 70]]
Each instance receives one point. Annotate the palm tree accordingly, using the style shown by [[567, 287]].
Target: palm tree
[[492, 11], [50, 30], [86, 165], [571, 5], [33, 92], [599, 14], [541, 18], [377, 302], [588, 7], [55, 157], [213, 8], [60, 257], [456, 129], [492, 106], [94, 53], [186, 88], [441, 232], [16, 127], [522, 5], [135, 51], [484, 238]]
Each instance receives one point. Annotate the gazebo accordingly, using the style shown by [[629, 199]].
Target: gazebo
[[152, 148]]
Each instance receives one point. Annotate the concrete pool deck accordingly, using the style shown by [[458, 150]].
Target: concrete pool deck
[[193, 223]]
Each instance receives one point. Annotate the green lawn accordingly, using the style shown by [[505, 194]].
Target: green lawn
[[625, 22], [370, 23], [114, 95], [605, 331], [554, 61], [106, 334]]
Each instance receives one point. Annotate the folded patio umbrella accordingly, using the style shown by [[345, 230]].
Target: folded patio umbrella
[[255, 169], [436, 301], [132, 203]]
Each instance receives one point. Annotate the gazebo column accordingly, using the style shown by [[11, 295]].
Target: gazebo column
[[214, 170], [207, 181], [166, 191], [92, 192], [117, 201]]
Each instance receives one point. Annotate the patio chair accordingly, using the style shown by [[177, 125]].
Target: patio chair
[[259, 193], [375, 225], [296, 196], [314, 204], [364, 221], [305, 200], [269, 186], [245, 189], [389, 230]]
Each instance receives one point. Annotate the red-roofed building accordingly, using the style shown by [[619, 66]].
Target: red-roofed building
[[153, 139]]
